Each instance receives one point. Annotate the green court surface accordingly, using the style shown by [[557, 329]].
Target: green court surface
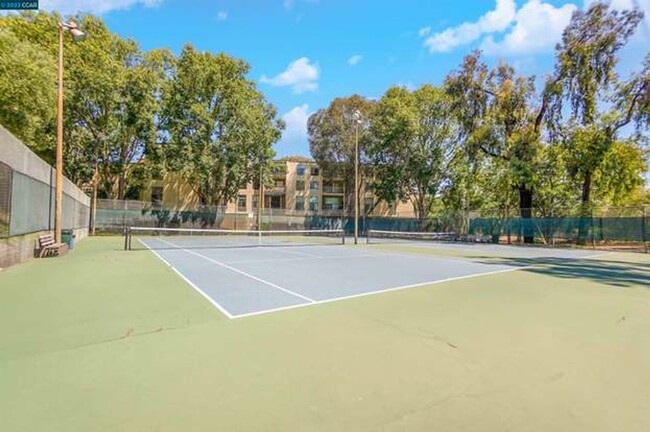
[[108, 340]]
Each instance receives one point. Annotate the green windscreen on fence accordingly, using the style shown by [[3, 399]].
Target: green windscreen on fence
[[32, 207], [5, 199], [566, 229]]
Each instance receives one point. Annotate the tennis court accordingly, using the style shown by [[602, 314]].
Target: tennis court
[[251, 273], [525, 339]]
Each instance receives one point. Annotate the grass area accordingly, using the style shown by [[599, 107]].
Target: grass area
[[105, 340]]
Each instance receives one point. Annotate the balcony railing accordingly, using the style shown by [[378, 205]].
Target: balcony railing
[[333, 189]]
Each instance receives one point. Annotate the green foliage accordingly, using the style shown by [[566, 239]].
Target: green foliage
[[498, 119], [620, 175], [332, 139], [555, 188], [600, 106], [122, 103], [27, 93], [217, 127], [587, 56], [332, 132], [411, 146]]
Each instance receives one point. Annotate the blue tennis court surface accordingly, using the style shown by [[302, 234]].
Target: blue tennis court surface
[[245, 281]]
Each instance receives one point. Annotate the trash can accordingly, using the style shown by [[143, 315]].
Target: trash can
[[67, 236]]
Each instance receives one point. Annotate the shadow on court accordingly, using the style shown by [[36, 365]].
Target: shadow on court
[[614, 273]]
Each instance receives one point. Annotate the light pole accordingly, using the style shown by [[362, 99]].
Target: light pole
[[77, 35], [357, 121]]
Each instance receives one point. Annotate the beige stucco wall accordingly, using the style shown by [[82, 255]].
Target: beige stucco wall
[[177, 193]]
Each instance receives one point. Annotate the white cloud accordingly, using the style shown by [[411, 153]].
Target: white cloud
[[354, 60], [424, 32], [507, 30], [93, 6], [538, 26], [300, 75], [222, 15], [294, 137], [496, 20]]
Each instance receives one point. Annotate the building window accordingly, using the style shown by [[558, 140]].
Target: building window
[[157, 196], [300, 170], [300, 203], [332, 203], [279, 184], [241, 203], [315, 171], [313, 204], [313, 185], [300, 185], [256, 201], [274, 202]]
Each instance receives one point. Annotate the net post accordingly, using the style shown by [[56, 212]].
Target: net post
[[368, 236], [342, 236], [126, 238]]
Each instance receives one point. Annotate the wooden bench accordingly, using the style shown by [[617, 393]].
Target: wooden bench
[[48, 247]]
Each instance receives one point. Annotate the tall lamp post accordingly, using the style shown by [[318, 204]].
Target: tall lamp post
[[357, 121], [77, 35]]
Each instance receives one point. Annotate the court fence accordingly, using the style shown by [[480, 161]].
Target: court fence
[[27, 201], [610, 227]]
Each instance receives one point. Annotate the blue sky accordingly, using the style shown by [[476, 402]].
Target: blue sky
[[304, 53]]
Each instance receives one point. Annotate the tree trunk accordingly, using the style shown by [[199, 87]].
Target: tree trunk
[[525, 206], [121, 186], [586, 189]]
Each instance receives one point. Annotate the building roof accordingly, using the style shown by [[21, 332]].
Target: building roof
[[295, 159]]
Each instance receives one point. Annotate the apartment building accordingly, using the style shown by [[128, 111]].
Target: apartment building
[[299, 186]]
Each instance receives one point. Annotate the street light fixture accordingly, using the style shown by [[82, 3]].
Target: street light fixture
[[77, 35], [358, 118]]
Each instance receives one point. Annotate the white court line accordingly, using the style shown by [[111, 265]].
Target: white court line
[[190, 283], [387, 290], [281, 260], [334, 299], [400, 288], [243, 273]]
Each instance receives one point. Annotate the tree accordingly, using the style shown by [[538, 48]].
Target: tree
[[27, 96], [332, 138], [411, 145], [110, 98], [497, 116], [555, 188], [620, 175], [586, 60], [217, 128]]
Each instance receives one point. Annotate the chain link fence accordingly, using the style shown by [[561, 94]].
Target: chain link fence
[[609, 227], [614, 227]]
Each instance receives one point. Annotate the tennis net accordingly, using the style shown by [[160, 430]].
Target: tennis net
[[179, 238], [379, 237]]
